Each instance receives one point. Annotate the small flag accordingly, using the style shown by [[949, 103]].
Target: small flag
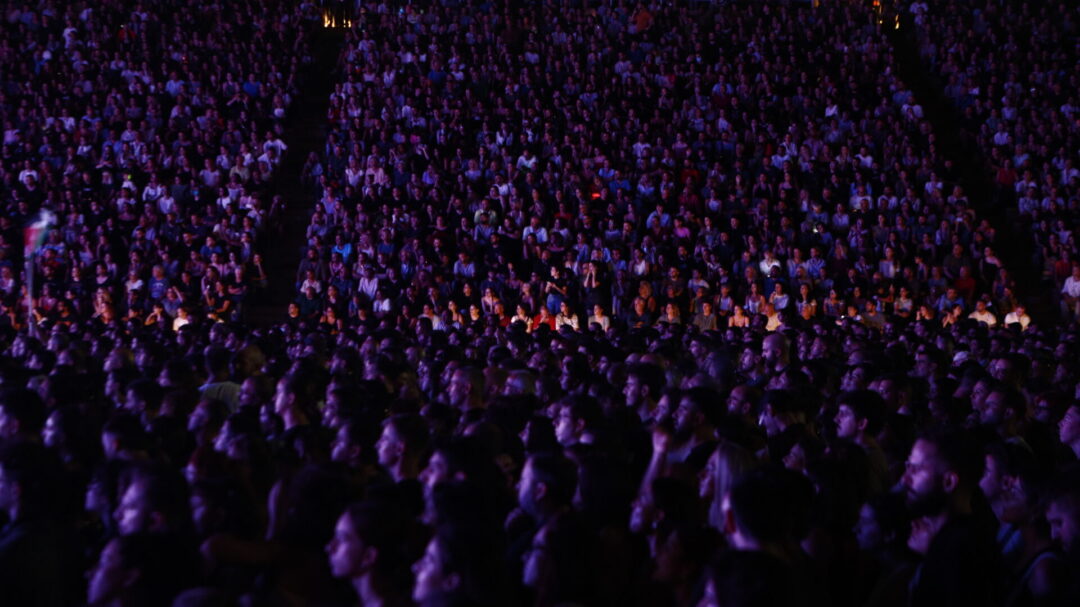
[[34, 234]]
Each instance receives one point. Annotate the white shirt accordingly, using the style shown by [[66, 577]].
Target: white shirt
[[1072, 287], [1013, 317]]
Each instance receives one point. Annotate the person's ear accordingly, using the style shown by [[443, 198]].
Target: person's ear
[[540, 491], [729, 520], [131, 577], [1010, 483], [368, 557], [950, 481], [861, 424], [451, 581], [157, 521]]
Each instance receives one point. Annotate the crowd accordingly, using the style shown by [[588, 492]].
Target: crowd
[[150, 134], [1011, 72], [601, 304]]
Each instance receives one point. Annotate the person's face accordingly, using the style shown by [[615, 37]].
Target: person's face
[[108, 578], [747, 360], [846, 424], [458, 390], [772, 350], [389, 446], [868, 532], [9, 426], [993, 409], [282, 398], [50, 433], [1069, 426], [345, 550], [632, 391], [527, 489], [434, 473], [249, 393], [565, 432], [736, 401], [1064, 525], [431, 580], [685, 417], [923, 480], [132, 515], [991, 481], [340, 448]]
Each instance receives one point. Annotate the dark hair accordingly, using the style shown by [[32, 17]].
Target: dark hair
[[751, 579], [471, 552], [24, 406], [652, 376], [163, 570], [956, 449], [868, 405], [127, 431], [164, 492], [148, 391], [770, 504], [558, 475], [385, 528], [412, 430], [38, 474]]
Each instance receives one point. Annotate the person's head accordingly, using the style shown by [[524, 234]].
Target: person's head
[[367, 542], [1003, 404], [546, 485], [555, 568], [143, 397], [860, 413], [137, 569], [575, 416], [22, 413], [404, 437], [725, 467], [742, 400], [767, 508], [354, 439], [644, 382], [779, 410], [940, 471], [155, 500], [774, 350], [29, 480], [697, 408], [1069, 428], [882, 523], [1062, 502], [1009, 479], [458, 567], [466, 388]]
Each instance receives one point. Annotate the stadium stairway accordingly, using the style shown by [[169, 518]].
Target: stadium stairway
[[305, 132], [971, 168]]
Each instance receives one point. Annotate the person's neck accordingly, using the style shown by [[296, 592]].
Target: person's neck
[[294, 417], [404, 469], [645, 410], [865, 441], [1075, 446], [14, 511], [365, 589]]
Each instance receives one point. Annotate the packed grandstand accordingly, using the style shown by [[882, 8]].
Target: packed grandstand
[[592, 302]]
